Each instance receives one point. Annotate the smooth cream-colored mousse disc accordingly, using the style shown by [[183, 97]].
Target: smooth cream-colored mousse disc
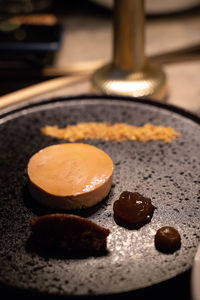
[[70, 176]]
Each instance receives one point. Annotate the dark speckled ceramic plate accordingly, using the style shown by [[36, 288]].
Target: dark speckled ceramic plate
[[168, 173]]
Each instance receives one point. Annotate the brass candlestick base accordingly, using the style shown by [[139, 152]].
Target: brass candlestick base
[[130, 73], [149, 83]]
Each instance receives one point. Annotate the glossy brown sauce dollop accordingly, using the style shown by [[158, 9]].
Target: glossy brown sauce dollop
[[167, 239], [132, 210]]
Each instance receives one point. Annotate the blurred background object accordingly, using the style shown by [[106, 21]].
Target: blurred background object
[[29, 38], [130, 72], [11, 7], [195, 273], [81, 41], [157, 6]]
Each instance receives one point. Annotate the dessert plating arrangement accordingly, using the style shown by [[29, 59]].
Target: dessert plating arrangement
[[97, 183]]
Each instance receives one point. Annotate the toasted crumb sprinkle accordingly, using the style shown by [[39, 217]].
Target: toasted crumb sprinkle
[[107, 131]]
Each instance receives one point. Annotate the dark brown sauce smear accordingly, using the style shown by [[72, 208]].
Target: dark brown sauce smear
[[167, 239], [132, 210], [62, 234]]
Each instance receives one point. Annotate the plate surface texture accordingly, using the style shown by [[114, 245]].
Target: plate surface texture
[[168, 173]]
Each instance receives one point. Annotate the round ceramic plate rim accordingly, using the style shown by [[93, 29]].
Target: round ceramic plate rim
[[17, 109], [162, 105]]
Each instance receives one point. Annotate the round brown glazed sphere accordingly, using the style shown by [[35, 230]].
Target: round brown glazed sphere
[[167, 239]]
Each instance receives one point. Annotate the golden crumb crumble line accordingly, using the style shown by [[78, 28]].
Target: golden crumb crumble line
[[107, 131]]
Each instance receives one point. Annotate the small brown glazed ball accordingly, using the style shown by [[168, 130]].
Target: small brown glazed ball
[[167, 239]]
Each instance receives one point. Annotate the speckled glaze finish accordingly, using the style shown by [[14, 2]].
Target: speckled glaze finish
[[168, 173]]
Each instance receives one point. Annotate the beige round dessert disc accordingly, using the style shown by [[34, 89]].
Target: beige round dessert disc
[[70, 176]]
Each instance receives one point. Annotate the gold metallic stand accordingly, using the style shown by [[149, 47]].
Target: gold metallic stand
[[130, 73]]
